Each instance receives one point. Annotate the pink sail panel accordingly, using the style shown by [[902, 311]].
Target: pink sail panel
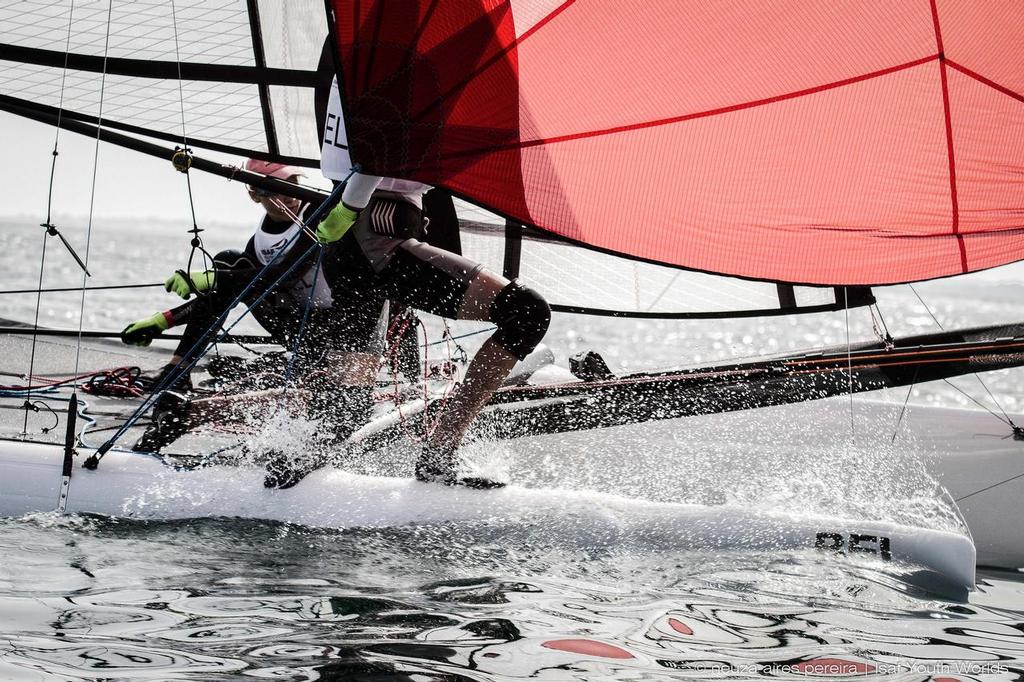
[[809, 142]]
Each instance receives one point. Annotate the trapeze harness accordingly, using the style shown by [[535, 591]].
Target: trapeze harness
[[279, 313]]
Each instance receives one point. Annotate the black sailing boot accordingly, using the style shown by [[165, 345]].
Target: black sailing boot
[[170, 422], [340, 412], [441, 465]]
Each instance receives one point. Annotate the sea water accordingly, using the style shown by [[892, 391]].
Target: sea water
[[98, 598]]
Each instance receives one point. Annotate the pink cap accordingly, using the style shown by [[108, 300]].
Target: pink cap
[[274, 170]]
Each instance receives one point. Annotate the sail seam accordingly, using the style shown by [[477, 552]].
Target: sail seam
[[513, 45], [986, 81], [950, 151], [699, 114]]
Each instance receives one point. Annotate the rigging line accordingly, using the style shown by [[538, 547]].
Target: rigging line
[[293, 216], [445, 339], [197, 242], [888, 342], [1007, 420], [55, 290], [184, 366], [661, 294], [92, 189], [996, 401], [880, 317], [49, 220], [989, 487], [979, 404], [302, 324], [906, 400], [929, 310], [35, 335], [849, 365], [238, 340]]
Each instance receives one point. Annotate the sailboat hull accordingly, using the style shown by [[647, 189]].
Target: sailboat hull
[[143, 487]]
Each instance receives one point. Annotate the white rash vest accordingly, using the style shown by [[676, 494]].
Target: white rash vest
[[335, 164]]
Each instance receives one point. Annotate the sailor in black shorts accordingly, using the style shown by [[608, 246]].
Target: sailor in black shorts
[[282, 311], [375, 253]]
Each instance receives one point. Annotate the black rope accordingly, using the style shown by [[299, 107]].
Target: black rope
[[55, 290], [172, 377], [36, 406]]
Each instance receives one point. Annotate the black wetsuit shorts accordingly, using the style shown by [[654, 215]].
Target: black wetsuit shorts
[[382, 258]]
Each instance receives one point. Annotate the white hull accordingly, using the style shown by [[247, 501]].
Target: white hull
[[141, 487]]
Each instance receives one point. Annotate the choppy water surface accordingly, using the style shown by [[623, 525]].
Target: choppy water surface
[[94, 598], [87, 598]]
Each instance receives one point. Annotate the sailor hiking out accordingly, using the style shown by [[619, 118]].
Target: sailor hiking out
[[374, 253], [280, 313]]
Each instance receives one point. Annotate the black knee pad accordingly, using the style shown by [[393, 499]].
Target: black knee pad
[[522, 316], [232, 259]]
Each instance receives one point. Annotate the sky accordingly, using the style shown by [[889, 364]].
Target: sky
[[129, 185]]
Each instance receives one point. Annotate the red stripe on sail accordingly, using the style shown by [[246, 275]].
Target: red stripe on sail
[[804, 142]]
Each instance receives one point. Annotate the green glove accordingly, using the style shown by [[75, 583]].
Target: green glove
[[201, 281], [336, 224], [142, 332]]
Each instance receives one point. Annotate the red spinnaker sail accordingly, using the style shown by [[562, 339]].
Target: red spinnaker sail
[[808, 141]]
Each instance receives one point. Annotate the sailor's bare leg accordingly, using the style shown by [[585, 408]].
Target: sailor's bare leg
[[490, 366]]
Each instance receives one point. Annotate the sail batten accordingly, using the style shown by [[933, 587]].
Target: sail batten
[[233, 76]]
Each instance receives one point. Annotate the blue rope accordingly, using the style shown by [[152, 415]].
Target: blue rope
[[302, 324], [183, 367]]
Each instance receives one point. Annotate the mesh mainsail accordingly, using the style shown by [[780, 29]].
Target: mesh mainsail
[[579, 280], [808, 142], [247, 69]]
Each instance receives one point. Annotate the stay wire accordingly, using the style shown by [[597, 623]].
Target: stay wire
[[197, 241], [49, 215], [1006, 417], [35, 335], [302, 324], [988, 487], [92, 189], [187, 365], [849, 365], [906, 400], [1005, 420]]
